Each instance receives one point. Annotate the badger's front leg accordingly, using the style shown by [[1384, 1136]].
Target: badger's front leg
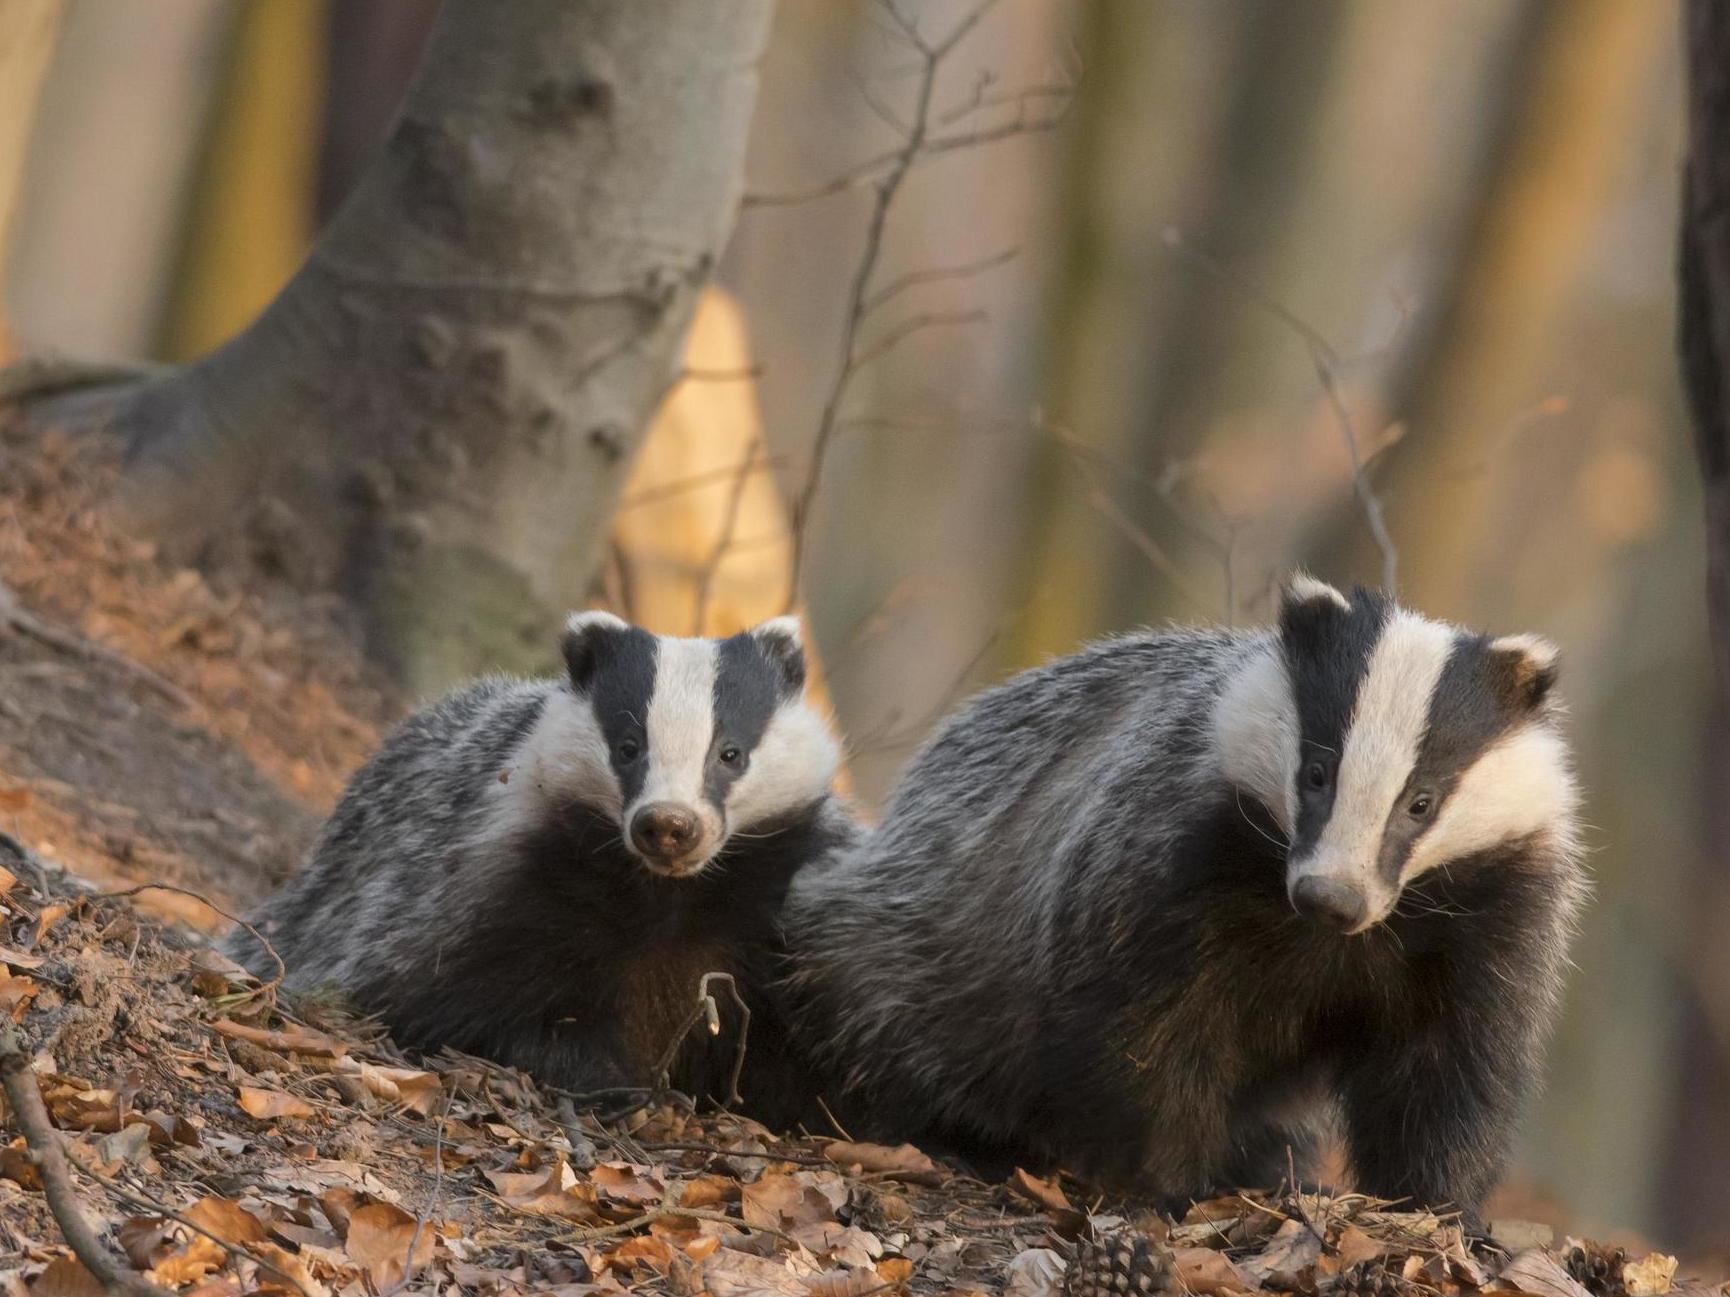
[[1430, 1111]]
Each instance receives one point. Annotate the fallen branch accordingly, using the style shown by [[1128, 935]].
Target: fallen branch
[[49, 1154], [14, 617]]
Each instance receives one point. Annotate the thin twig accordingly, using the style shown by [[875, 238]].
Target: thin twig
[[1326, 363], [49, 1154], [432, 1208], [888, 172], [668, 1213], [729, 524], [267, 988], [966, 270], [706, 1008], [695, 482]]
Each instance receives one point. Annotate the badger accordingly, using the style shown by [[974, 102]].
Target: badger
[[1166, 911], [541, 872]]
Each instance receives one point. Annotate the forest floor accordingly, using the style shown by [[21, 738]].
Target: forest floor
[[154, 729]]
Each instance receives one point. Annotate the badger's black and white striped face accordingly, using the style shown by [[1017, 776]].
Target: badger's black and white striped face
[[682, 741], [1387, 745]]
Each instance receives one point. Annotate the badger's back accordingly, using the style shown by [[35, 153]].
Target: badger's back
[[961, 911], [393, 864]]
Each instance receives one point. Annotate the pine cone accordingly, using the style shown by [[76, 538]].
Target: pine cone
[[1369, 1279], [1596, 1268], [1124, 1263]]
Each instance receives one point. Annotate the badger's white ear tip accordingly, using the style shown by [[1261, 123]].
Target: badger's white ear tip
[[1301, 587], [784, 627], [594, 619], [1541, 653]]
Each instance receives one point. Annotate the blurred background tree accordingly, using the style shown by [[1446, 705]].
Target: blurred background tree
[[1447, 226]]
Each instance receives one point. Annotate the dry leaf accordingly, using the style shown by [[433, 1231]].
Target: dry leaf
[[18, 1166], [1202, 1270], [268, 1105], [13, 800], [1355, 1247], [1037, 1272], [285, 1040], [379, 1235], [17, 957], [415, 1090], [1650, 1275], [844, 1283], [16, 992], [1043, 1193], [787, 1201], [47, 918], [623, 1182], [1292, 1250], [290, 1264], [66, 1277], [731, 1273], [1536, 1271], [709, 1191], [8, 880], [902, 1162]]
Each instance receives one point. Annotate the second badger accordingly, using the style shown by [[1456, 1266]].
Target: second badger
[[541, 871], [1153, 910]]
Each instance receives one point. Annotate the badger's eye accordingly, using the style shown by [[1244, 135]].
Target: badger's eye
[[1316, 775], [731, 756], [1419, 807], [628, 749]]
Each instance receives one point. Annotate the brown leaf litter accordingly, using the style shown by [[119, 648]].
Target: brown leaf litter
[[223, 1145]]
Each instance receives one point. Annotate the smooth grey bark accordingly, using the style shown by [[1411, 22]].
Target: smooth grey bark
[[436, 414]]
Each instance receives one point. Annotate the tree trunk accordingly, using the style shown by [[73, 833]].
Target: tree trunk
[[436, 414], [27, 29], [1703, 296]]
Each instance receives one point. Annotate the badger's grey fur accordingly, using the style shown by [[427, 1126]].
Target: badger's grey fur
[[1154, 910], [540, 871]]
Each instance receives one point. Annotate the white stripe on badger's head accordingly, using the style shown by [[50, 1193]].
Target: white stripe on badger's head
[[701, 737], [1386, 745]]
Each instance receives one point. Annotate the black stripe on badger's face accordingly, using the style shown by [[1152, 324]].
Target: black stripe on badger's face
[[613, 665], [1417, 744], [752, 680], [1327, 647]]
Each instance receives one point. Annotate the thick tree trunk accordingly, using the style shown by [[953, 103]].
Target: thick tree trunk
[[1703, 295], [27, 29], [435, 416]]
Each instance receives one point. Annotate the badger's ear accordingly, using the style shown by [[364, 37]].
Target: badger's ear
[[1527, 666], [583, 632], [782, 640], [1305, 602]]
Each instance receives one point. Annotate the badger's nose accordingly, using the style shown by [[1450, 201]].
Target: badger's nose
[[664, 830], [1329, 901]]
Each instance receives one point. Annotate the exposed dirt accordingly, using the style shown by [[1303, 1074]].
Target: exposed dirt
[[151, 726]]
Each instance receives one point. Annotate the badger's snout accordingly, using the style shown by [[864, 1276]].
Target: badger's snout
[[1330, 901], [667, 835]]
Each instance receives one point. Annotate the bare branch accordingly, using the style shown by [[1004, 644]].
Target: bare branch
[[1326, 363], [268, 988], [966, 270], [908, 327], [25, 1098], [723, 542], [697, 481]]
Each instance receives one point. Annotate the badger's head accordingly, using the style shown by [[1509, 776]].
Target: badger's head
[[685, 742], [1387, 745]]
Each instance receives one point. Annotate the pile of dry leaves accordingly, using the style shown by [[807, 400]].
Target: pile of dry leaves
[[218, 1144]]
